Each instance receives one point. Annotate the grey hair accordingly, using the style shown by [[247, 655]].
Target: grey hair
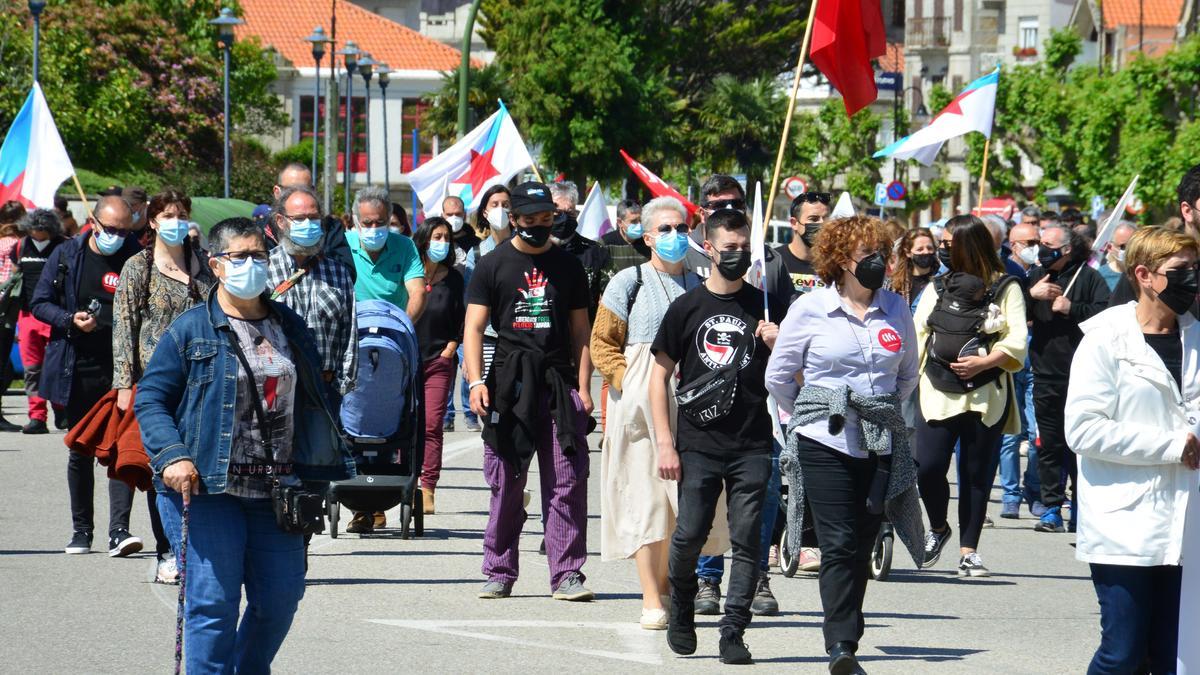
[[42, 220], [657, 206], [627, 206], [1033, 211], [565, 189], [233, 228], [372, 195], [997, 225], [279, 208]]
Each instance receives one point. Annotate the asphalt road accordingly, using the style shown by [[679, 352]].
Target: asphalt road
[[382, 604]]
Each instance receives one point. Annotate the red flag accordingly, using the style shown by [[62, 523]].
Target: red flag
[[655, 185], [847, 35]]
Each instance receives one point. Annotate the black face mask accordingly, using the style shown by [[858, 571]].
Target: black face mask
[[733, 264], [926, 261], [564, 226], [534, 236], [810, 234], [1048, 256], [943, 256], [1182, 288], [870, 271]]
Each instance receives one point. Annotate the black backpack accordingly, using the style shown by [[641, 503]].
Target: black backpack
[[956, 329]]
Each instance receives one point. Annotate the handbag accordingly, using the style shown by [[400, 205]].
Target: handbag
[[710, 397], [297, 510]]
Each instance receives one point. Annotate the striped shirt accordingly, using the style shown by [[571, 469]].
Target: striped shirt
[[324, 298]]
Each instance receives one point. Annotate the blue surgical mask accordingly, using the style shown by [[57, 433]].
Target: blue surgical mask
[[373, 238], [305, 232], [108, 243], [438, 250], [173, 231], [634, 231], [246, 280], [671, 247]]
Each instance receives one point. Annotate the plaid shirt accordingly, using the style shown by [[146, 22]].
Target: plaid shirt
[[324, 298]]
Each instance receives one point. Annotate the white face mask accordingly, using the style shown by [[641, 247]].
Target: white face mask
[[497, 217], [1028, 255], [456, 223], [1119, 256]]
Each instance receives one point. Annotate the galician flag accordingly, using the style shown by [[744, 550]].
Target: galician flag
[[33, 160], [593, 217], [972, 110], [492, 153]]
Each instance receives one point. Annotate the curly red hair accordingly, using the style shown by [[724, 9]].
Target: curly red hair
[[839, 239]]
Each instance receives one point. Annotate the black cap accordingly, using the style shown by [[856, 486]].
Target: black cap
[[530, 198]]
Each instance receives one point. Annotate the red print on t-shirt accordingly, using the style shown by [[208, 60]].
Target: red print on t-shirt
[[890, 340], [109, 281]]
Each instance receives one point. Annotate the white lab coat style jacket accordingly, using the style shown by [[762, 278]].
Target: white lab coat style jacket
[[1128, 422]]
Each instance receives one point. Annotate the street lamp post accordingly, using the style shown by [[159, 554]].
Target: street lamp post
[[384, 79], [225, 23], [349, 54], [318, 39], [35, 8], [366, 66]]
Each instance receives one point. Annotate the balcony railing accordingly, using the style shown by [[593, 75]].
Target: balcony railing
[[931, 31]]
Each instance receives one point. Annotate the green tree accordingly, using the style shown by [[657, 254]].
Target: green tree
[[739, 126], [827, 145], [486, 86]]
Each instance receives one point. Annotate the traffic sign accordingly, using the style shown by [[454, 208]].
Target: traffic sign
[[794, 186], [881, 195], [1097, 207], [887, 81], [896, 191], [1135, 206]]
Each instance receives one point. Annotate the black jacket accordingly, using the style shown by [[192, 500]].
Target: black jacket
[[1056, 336], [595, 259]]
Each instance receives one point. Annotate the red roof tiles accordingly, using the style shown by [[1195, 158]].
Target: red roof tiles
[[284, 25], [1154, 12]]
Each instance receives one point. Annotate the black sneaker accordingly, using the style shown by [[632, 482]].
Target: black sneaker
[[60, 420], [35, 427], [448, 426], [934, 543], [971, 565], [473, 425], [5, 425], [764, 603], [733, 648], [708, 598], [681, 625], [81, 542], [121, 544]]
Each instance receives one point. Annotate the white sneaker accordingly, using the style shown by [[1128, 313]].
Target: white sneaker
[[654, 619], [166, 571]]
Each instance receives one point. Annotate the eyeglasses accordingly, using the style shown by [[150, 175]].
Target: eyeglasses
[[945, 243], [303, 216], [811, 197], [113, 231], [681, 228], [240, 257], [1027, 243], [718, 204]]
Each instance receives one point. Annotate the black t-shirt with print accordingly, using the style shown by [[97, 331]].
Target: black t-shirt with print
[[804, 278], [703, 331], [98, 281], [530, 297]]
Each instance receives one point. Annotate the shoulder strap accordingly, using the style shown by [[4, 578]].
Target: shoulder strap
[[633, 294], [287, 284], [999, 286], [255, 400]]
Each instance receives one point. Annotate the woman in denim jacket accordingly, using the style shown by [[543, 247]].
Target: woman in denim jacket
[[209, 452]]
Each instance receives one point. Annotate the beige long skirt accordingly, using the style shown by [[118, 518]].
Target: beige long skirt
[[636, 506]]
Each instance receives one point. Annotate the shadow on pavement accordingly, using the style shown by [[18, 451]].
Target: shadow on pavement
[[373, 582]]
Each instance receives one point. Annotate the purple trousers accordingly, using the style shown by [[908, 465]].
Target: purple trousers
[[564, 504]]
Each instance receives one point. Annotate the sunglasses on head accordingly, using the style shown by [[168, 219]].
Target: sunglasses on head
[[718, 204], [811, 197]]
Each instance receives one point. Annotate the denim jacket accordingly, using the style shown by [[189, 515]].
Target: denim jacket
[[187, 398]]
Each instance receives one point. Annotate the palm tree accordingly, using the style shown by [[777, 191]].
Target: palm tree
[[487, 86], [739, 125]]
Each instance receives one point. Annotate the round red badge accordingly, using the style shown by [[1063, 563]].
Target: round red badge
[[890, 340], [109, 281]]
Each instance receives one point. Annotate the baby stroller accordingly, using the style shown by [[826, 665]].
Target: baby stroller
[[385, 420], [881, 554]]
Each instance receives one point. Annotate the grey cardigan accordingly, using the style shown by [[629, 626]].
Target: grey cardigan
[[877, 415]]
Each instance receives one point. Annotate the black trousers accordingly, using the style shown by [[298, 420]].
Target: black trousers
[[87, 388], [977, 446], [836, 486], [1049, 406], [744, 479]]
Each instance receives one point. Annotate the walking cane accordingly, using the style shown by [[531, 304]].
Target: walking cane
[[183, 547]]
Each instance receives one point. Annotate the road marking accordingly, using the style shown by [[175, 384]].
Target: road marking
[[642, 645]]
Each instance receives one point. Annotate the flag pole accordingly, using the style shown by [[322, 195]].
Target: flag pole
[[787, 121], [536, 174], [83, 197], [987, 151]]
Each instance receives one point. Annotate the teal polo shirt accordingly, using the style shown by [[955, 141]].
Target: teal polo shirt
[[383, 279]]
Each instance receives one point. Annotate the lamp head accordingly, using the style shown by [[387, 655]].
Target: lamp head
[[225, 23], [318, 40], [349, 54]]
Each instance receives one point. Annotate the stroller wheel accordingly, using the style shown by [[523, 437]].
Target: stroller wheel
[[789, 561], [881, 556], [406, 517], [335, 511], [419, 518]]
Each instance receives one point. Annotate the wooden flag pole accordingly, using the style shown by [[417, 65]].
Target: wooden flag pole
[[787, 121], [82, 196], [987, 151]]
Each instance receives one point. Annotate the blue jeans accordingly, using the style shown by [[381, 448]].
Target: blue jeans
[[234, 542], [712, 567], [464, 393], [1139, 618], [1009, 459]]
